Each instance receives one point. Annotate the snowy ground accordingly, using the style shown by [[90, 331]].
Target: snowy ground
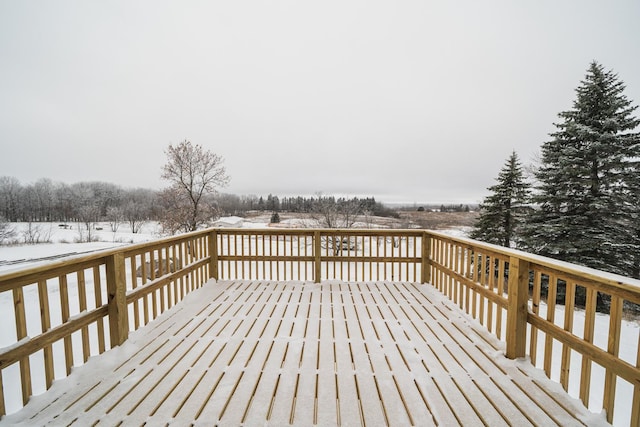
[[62, 241], [21, 256]]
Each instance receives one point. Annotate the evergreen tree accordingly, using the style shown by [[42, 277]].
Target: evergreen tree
[[585, 181], [502, 212]]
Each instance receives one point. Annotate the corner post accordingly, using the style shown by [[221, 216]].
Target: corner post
[[426, 258], [518, 296], [213, 255], [317, 247], [117, 299]]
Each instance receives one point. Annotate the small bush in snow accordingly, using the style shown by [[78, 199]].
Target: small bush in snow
[[35, 233], [7, 232]]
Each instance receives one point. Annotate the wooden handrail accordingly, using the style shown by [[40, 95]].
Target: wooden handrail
[[134, 284]]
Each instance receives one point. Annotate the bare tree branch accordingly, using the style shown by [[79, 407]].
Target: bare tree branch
[[193, 173]]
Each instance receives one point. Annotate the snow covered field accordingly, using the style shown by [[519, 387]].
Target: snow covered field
[[63, 241], [21, 256]]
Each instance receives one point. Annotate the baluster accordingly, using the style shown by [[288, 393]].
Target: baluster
[[21, 332], [45, 322], [82, 303]]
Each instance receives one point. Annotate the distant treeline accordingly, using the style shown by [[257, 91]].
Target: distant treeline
[[46, 200], [439, 208], [454, 208], [49, 201], [239, 205]]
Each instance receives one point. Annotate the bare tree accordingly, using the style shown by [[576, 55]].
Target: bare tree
[[115, 216], [193, 173], [349, 211], [139, 207], [7, 232], [87, 215], [135, 215], [36, 233], [10, 189], [325, 212], [330, 213]]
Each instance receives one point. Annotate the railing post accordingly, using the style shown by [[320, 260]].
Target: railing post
[[317, 247], [213, 255], [117, 299], [518, 296], [426, 258]]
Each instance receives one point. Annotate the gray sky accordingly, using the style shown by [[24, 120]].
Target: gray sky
[[412, 101]]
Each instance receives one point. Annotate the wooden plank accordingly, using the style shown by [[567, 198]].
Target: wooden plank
[[475, 277], [64, 312], [21, 332], [347, 394], [3, 409], [492, 289], [535, 309], [45, 323], [209, 404], [472, 383], [161, 349], [356, 387], [52, 270], [96, 392], [420, 356], [517, 310], [134, 284], [635, 407], [140, 398], [483, 285], [613, 347], [273, 353], [569, 305], [589, 330], [177, 362], [467, 275], [607, 360], [551, 313], [82, 303], [145, 300], [174, 296], [498, 379], [501, 290], [116, 300], [159, 267], [456, 267], [97, 292], [14, 354]]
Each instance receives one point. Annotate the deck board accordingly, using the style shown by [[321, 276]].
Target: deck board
[[294, 353]]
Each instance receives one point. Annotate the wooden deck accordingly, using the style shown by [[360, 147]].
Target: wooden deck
[[279, 353]]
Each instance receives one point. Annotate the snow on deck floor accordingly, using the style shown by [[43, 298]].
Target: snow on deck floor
[[279, 353]]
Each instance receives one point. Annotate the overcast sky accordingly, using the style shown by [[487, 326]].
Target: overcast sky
[[412, 101]]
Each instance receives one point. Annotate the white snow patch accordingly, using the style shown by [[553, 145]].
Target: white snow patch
[[229, 222]]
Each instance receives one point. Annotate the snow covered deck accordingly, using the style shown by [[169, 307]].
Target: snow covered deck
[[279, 353]]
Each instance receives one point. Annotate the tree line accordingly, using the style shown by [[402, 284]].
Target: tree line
[[49, 201], [239, 205], [581, 201], [91, 202]]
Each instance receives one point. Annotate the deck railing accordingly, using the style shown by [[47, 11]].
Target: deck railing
[[550, 311]]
